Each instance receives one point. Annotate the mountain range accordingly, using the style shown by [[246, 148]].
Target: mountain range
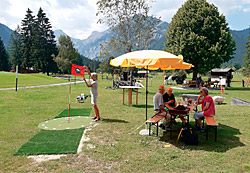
[[90, 47]]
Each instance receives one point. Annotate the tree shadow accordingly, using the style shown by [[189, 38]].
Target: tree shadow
[[107, 120], [226, 139], [142, 106], [220, 103], [238, 88]]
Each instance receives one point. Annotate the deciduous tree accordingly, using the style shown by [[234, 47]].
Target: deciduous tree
[[105, 66], [130, 23], [67, 54], [201, 34]]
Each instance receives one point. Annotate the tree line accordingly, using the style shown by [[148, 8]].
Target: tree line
[[197, 31], [33, 46]]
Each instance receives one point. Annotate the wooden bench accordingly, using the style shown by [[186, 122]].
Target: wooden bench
[[211, 123], [190, 83], [209, 84], [154, 119]]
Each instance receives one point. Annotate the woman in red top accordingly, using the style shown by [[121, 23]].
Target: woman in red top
[[208, 108]]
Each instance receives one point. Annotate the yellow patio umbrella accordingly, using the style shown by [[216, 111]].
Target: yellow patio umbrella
[[150, 60]]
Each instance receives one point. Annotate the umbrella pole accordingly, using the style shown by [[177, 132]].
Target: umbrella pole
[[147, 94], [163, 77]]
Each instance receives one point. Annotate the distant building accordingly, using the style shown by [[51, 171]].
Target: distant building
[[224, 76], [142, 73]]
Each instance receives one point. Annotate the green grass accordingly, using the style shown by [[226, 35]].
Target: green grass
[[52, 142], [8, 80], [115, 150], [55, 141], [74, 112]]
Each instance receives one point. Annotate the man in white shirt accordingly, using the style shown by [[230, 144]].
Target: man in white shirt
[[159, 106]]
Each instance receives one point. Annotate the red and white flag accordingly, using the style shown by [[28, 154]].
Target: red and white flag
[[77, 70]]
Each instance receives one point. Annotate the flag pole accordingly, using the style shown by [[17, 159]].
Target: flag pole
[[69, 96], [16, 76]]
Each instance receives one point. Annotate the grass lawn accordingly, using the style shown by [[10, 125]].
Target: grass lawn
[[115, 150], [8, 80]]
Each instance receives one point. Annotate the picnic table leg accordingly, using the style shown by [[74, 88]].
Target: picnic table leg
[[123, 95], [136, 96], [170, 126], [149, 130], [129, 96], [207, 132], [215, 136], [157, 129]]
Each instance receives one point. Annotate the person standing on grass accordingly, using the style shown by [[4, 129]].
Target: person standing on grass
[[208, 108], [94, 94]]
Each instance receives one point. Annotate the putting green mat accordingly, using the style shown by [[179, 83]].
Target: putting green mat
[[65, 123], [74, 112], [60, 140], [52, 142]]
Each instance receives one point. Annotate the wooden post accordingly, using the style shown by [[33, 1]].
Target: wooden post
[[163, 77], [129, 96], [123, 95], [136, 96]]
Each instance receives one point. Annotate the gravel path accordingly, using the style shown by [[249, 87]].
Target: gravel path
[[39, 86]]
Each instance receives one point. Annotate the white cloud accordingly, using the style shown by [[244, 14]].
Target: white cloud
[[75, 17], [246, 10], [78, 17], [166, 8]]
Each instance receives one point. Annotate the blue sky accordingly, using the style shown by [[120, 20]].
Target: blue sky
[[77, 17]]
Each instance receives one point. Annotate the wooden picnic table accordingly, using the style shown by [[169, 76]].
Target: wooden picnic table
[[181, 113], [209, 84], [190, 83], [130, 88]]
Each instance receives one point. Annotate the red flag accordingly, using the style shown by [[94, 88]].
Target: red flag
[[77, 70]]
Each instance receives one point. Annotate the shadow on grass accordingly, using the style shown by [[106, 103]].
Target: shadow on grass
[[227, 138], [106, 120], [238, 89], [142, 106], [220, 103]]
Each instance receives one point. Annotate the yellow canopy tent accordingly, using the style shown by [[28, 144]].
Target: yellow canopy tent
[[150, 60]]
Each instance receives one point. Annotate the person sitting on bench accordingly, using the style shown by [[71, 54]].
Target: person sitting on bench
[[208, 108], [159, 106], [169, 99]]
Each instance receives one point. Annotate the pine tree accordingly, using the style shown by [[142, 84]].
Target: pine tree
[[246, 64], [3, 57], [44, 45], [201, 35], [15, 49], [27, 39]]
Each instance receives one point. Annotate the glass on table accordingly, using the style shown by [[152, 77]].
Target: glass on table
[[179, 102]]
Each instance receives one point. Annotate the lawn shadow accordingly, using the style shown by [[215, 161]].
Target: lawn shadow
[[107, 120], [227, 138], [142, 106], [220, 103], [238, 89]]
